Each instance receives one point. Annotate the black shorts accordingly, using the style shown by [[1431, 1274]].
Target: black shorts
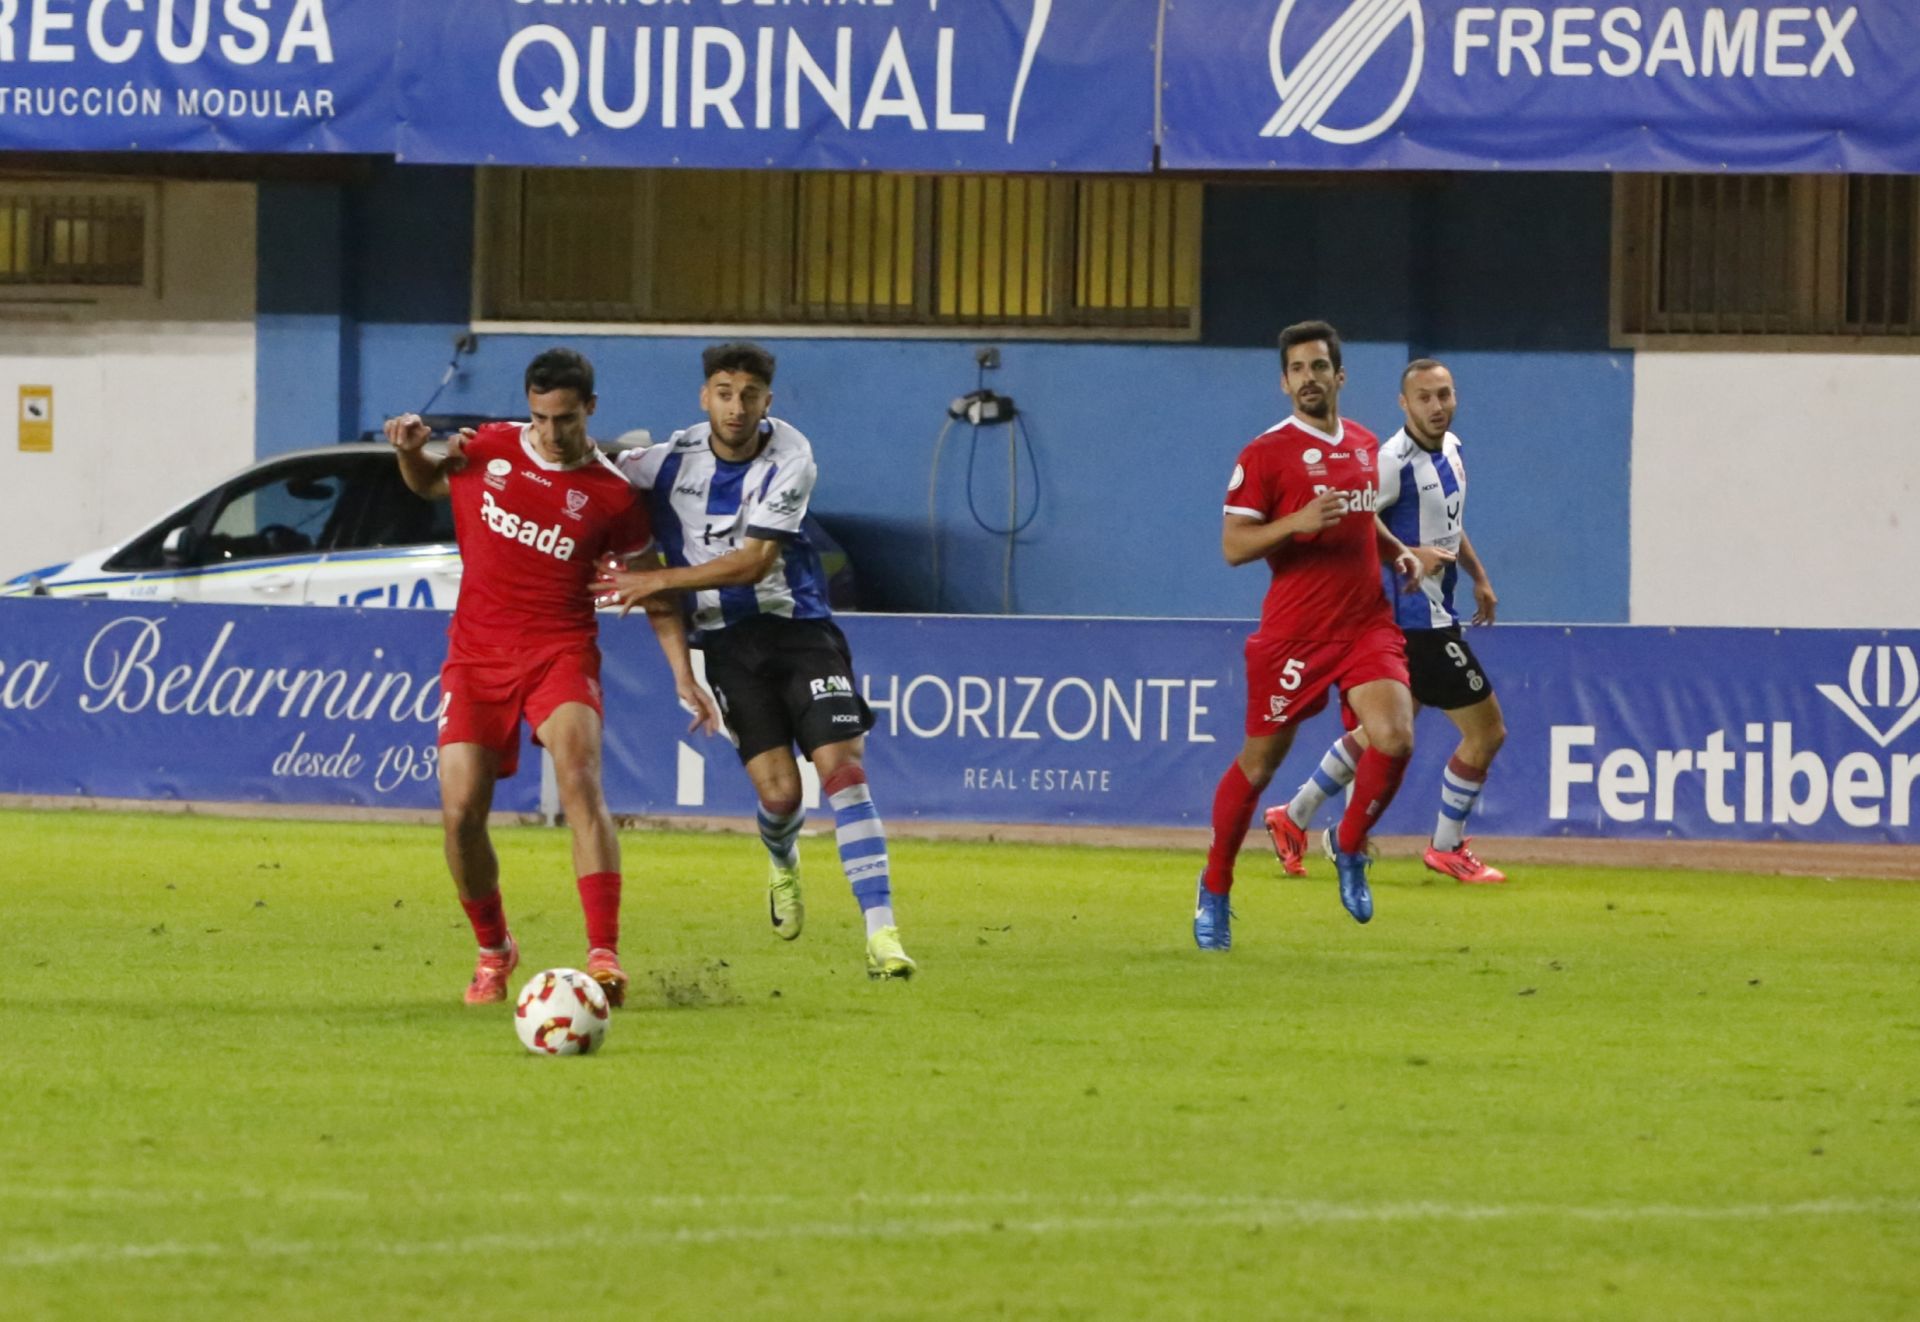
[[782, 681], [1445, 672]]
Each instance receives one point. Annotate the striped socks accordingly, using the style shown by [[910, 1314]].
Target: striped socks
[[1460, 786], [780, 834], [1335, 773], [863, 844]]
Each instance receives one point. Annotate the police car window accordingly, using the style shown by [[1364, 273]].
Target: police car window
[[147, 551], [391, 515], [283, 511]]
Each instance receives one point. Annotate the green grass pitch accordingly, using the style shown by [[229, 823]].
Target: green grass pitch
[[237, 1081]]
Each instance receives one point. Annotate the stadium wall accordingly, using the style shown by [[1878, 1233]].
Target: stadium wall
[[153, 394], [365, 286], [1739, 522]]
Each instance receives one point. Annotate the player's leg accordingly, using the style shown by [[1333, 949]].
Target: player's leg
[[743, 672], [564, 710], [1373, 678], [862, 840], [830, 721], [1384, 708], [776, 784], [1446, 674], [467, 776], [1284, 687], [1483, 729], [1287, 825], [1235, 798], [479, 743]]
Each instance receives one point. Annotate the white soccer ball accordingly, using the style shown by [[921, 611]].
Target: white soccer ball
[[561, 1012]]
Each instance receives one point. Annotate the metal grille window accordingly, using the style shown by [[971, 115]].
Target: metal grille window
[[1107, 256], [1773, 257], [64, 240]]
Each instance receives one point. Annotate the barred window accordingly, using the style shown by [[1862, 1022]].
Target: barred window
[[1116, 257], [76, 241], [1774, 257]]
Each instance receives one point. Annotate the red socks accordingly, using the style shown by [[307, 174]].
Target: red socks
[[600, 901], [1374, 785], [1233, 805], [489, 920], [599, 898]]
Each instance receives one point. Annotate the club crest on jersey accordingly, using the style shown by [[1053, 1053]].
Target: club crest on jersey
[[787, 502], [497, 471], [1277, 707], [576, 501], [545, 539]]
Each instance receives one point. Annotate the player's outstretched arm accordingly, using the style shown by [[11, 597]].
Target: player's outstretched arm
[[1485, 603], [424, 475], [627, 588], [670, 628]]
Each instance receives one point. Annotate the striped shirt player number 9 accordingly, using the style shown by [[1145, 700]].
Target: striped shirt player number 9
[[1475, 680]]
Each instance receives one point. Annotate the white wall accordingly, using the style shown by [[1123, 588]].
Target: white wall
[[1776, 489], [153, 399]]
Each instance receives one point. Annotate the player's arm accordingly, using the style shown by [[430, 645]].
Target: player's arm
[[424, 475], [1412, 563], [1485, 603], [670, 628], [628, 586], [1432, 559], [1244, 538]]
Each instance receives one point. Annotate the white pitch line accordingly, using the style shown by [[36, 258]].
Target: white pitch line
[[1204, 1212]]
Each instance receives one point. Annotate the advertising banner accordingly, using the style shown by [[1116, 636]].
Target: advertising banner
[[1005, 85], [1710, 734], [1728, 734], [1632, 85], [227, 704], [197, 75]]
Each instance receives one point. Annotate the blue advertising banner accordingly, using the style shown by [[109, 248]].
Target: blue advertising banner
[[1711, 734], [1633, 85], [197, 75], [1728, 734], [881, 84], [227, 704]]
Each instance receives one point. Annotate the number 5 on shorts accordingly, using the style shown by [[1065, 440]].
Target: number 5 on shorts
[[1290, 676]]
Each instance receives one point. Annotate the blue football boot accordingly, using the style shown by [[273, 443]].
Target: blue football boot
[[1212, 919], [1355, 894]]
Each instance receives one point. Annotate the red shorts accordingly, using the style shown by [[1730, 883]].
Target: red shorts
[[485, 691], [1287, 681]]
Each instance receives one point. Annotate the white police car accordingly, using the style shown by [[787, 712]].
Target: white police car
[[333, 526]]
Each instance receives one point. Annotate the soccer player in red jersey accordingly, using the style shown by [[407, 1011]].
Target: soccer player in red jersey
[[535, 505], [1302, 498]]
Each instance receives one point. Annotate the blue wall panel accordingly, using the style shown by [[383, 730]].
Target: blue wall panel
[[1132, 442]]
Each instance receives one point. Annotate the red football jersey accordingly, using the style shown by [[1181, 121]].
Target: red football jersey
[[1326, 585], [529, 533]]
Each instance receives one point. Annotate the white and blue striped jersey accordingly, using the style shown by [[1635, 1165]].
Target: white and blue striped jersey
[[704, 507], [1423, 500]]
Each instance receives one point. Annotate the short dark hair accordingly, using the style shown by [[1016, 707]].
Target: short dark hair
[[737, 356], [560, 369], [1419, 365], [1306, 332]]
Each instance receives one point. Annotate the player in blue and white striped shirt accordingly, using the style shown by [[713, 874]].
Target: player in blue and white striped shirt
[[728, 498], [1423, 496]]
